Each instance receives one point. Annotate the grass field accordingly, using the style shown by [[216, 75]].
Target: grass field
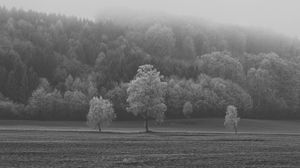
[[206, 144]]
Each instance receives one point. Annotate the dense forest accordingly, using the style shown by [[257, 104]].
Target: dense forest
[[52, 65]]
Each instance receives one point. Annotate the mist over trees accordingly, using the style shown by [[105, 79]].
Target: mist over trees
[[51, 66]]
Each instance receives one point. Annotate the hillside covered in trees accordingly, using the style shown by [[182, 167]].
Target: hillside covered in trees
[[52, 65]]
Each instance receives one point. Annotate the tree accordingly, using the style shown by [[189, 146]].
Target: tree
[[10, 109], [101, 113], [176, 96], [231, 118], [273, 86], [46, 103], [160, 40], [91, 90], [99, 61], [231, 93], [221, 64], [242, 66], [3, 78], [118, 97], [11, 88], [189, 48], [37, 103], [78, 104], [187, 109], [146, 95]]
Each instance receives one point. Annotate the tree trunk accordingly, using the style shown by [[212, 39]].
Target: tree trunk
[[99, 127], [235, 129], [146, 124]]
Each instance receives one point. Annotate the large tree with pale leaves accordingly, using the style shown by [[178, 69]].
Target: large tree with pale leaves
[[146, 95], [231, 118], [101, 113]]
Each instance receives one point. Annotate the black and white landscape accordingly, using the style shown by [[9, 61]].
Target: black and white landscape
[[149, 84]]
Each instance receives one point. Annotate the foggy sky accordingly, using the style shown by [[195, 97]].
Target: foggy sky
[[282, 16]]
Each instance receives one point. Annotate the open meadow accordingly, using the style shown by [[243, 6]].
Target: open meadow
[[206, 144]]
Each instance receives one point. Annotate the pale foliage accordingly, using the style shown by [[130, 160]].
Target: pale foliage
[[37, 101], [146, 94], [44, 104], [187, 109], [85, 85], [77, 101], [208, 95], [77, 97], [231, 118], [221, 64], [101, 113]]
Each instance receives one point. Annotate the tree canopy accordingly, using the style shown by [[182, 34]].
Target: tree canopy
[[146, 95], [60, 61]]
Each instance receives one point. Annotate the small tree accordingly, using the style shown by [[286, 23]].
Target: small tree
[[187, 109], [231, 118], [101, 113], [146, 95]]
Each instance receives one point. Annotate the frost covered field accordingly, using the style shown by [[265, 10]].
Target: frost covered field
[[72, 144]]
